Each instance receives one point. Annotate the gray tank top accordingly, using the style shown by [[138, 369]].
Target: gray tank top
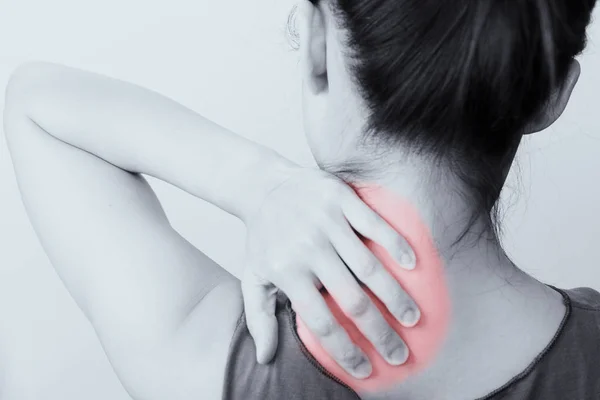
[[567, 369]]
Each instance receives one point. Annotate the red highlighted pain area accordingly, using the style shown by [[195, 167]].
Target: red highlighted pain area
[[425, 284]]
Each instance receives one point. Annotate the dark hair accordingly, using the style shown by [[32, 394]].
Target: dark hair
[[458, 80]]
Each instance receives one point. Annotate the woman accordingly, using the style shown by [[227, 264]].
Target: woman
[[425, 102]]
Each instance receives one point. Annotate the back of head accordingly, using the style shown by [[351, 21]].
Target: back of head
[[460, 81]]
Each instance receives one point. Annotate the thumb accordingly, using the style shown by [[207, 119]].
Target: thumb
[[259, 303]]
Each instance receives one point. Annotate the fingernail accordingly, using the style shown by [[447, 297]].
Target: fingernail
[[363, 369], [260, 356], [410, 317], [408, 260], [398, 356]]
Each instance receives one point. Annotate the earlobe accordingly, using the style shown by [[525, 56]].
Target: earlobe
[[558, 102], [313, 46]]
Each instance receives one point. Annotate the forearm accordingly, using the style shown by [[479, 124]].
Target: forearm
[[142, 131]]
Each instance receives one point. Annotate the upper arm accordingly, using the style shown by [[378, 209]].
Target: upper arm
[[150, 295]]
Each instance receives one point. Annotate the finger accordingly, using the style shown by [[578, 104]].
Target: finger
[[359, 307], [310, 305], [372, 226], [369, 270], [259, 305]]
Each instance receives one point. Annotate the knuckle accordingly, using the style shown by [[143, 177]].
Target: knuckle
[[319, 243], [349, 356], [288, 259], [386, 337], [331, 215], [323, 326], [277, 267], [358, 305], [304, 246], [366, 269], [398, 299]]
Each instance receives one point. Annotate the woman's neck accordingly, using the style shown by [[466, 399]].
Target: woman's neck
[[491, 301]]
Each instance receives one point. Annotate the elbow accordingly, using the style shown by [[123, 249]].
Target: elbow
[[19, 92], [23, 81], [22, 88]]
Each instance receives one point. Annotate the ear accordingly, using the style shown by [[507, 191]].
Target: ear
[[313, 46], [557, 103]]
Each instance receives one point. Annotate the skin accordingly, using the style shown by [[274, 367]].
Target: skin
[[426, 284], [308, 244], [300, 270], [492, 301], [80, 141]]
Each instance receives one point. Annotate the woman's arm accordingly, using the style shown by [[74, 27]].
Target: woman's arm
[[147, 292], [141, 131], [78, 141]]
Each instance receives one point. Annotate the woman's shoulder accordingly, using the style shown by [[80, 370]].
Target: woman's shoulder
[[582, 325], [292, 375], [582, 328], [568, 367], [584, 298], [209, 329]]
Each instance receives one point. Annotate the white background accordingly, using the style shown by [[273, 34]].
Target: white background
[[231, 61]]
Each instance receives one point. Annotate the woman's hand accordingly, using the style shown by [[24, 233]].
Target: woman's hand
[[302, 239], [299, 220]]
